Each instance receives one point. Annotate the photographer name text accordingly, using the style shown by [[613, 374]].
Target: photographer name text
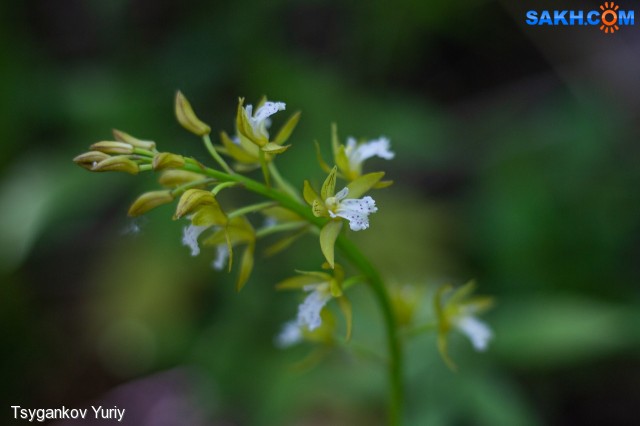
[[43, 414]]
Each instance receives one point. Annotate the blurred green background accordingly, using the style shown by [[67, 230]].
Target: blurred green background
[[517, 164]]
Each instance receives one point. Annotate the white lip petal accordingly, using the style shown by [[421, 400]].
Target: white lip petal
[[374, 148], [309, 310], [477, 331], [222, 255], [190, 236], [289, 335], [268, 109], [357, 212]]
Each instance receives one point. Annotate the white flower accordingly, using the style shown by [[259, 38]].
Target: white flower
[[260, 120], [356, 211], [357, 153], [190, 237], [477, 331], [290, 335], [222, 255], [309, 310]]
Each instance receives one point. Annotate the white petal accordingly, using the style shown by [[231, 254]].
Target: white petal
[[374, 148], [289, 335], [351, 145], [267, 110], [222, 255], [342, 194], [190, 236], [477, 331], [309, 310], [357, 212]]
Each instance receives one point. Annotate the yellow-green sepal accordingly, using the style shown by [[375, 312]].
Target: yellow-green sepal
[[246, 266], [285, 242], [203, 205], [274, 148], [328, 236], [236, 151], [245, 128], [286, 130], [323, 165], [345, 307], [309, 194], [342, 161], [364, 183], [300, 281], [329, 185]]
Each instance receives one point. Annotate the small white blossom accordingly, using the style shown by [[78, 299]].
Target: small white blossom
[[260, 121], [290, 335], [222, 255], [309, 310], [358, 153], [356, 211], [477, 331], [190, 236]]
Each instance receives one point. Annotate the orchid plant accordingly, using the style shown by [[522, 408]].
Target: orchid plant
[[290, 212]]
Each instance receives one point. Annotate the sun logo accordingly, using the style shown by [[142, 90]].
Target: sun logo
[[609, 17]]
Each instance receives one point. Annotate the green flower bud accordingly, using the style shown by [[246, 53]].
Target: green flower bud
[[149, 201], [174, 178], [121, 136], [167, 160], [187, 118], [112, 147], [88, 159], [119, 163]]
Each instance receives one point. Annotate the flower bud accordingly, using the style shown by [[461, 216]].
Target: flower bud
[[193, 199], [119, 163], [187, 118], [167, 160], [174, 178], [121, 136], [88, 159], [148, 201], [112, 147]]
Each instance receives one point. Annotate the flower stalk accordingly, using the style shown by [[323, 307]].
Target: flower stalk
[[351, 253]]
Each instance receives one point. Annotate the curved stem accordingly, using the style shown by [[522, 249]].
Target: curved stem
[[353, 254], [215, 155]]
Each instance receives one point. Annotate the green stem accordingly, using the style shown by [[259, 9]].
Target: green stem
[[282, 183], [250, 209], [215, 155], [222, 186], [182, 188], [265, 169], [351, 252], [281, 227]]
